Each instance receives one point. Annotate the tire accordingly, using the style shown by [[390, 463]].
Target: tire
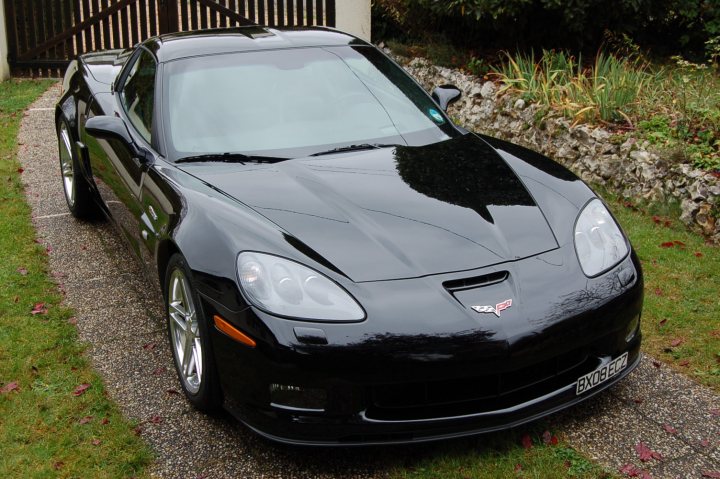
[[78, 194], [186, 322]]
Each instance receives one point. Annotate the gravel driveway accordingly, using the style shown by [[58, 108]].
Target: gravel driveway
[[120, 318]]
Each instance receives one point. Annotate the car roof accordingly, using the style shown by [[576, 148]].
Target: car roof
[[173, 46]]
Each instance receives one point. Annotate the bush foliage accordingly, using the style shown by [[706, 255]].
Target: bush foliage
[[679, 25]]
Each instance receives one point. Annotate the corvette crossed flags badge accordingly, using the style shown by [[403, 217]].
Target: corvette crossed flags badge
[[493, 309]]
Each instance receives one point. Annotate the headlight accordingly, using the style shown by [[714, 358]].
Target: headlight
[[599, 243], [286, 288]]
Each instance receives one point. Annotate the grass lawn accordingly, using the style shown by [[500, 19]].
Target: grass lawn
[[681, 315], [56, 420], [512, 454]]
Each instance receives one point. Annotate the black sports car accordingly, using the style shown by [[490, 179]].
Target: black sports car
[[340, 263]]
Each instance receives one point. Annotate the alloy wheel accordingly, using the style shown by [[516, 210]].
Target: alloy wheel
[[66, 164], [185, 331]]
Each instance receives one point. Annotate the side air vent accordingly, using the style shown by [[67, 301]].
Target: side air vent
[[476, 281]]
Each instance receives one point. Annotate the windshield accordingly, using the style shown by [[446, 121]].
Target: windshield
[[295, 102]]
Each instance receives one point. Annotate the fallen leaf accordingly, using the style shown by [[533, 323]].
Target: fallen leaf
[[698, 254], [630, 470], [22, 271], [657, 219], [656, 363], [711, 474], [679, 244], [156, 420], [72, 320], [662, 322], [518, 467], [638, 400], [149, 346], [172, 392], [105, 421], [645, 453], [669, 429], [658, 292], [158, 371], [81, 389], [39, 308], [684, 363], [526, 441], [668, 223], [16, 299], [11, 386], [549, 438], [667, 244], [85, 420], [48, 249], [676, 342], [705, 442], [715, 412], [20, 170], [137, 430], [57, 465], [96, 442]]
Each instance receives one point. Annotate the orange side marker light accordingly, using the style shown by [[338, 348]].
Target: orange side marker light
[[233, 332]]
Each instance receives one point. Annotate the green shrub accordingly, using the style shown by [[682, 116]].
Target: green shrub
[[680, 25]]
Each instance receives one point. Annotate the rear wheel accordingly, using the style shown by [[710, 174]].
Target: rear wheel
[[188, 331], [78, 195]]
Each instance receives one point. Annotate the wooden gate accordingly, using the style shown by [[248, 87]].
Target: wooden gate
[[44, 35]]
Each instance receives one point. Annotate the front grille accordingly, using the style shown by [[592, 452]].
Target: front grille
[[469, 395]]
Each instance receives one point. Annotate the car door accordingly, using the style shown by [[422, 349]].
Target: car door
[[119, 175]]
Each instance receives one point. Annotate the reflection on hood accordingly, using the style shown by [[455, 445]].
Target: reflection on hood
[[459, 175]]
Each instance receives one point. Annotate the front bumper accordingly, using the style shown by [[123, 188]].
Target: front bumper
[[404, 388], [360, 430]]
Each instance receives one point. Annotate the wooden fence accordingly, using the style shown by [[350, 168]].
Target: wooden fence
[[44, 35]]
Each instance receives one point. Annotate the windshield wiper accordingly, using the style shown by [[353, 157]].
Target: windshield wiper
[[229, 158], [362, 146]]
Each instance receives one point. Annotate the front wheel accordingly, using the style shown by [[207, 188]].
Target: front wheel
[[78, 195], [190, 339]]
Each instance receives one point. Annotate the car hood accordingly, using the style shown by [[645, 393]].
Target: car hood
[[395, 213]]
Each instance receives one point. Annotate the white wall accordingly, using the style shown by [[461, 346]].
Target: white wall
[[4, 67], [353, 16]]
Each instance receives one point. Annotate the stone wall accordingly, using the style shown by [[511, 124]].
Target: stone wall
[[627, 167]]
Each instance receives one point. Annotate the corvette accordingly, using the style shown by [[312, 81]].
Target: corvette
[[340, 263]]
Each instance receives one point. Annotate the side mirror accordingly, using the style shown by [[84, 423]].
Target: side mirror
[[114, 128], [444, 95]]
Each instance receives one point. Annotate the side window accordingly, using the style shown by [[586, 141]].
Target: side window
[[138, 94]]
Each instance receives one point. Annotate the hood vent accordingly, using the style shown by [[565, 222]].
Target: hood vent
[[475, 281]]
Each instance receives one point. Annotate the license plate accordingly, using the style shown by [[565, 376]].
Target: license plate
[[601, 374]]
